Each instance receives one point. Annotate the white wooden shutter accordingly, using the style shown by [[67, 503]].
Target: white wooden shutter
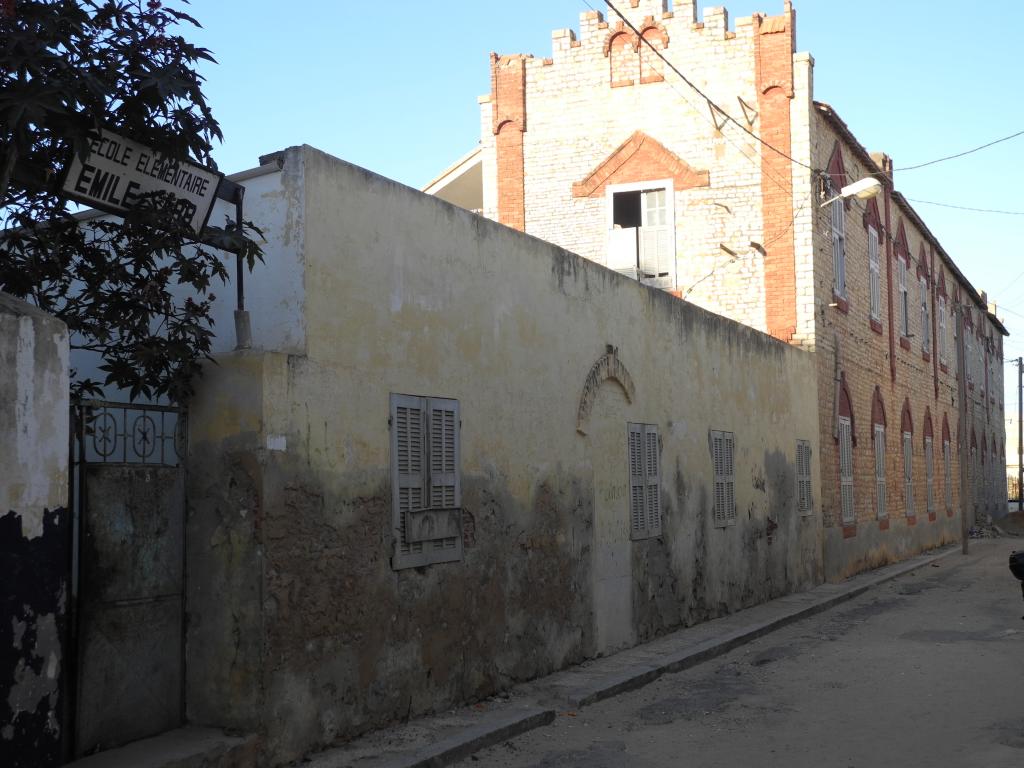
[[880, 472], [908, 471], [941, 341], [947, 474], [839, 247], [874, 271], [929, 474], [656, 258], [846, 469], [637, 481], [904, 308], [652, 466], [622, 251], [426, 481]]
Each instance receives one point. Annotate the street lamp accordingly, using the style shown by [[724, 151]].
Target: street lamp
[[862, 190]]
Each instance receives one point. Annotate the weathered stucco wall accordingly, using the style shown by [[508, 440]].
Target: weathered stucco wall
[[290, 491], [34, 527]]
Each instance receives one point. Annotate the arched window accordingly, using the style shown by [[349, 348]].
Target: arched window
[[929, 463], [846, 441], [878, 433], [907, 428]]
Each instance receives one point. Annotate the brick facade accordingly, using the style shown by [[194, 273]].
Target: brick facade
[[753, 242]]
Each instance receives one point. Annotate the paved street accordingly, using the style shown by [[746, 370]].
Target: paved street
[[926, 670]]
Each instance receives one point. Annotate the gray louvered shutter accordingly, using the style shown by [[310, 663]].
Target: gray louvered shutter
[[846, 469], [408, 472], [652, 471], [929, 468], [908, 472], [718, 462], [803, 477], [880, 500], [730, 473], [444, 480], [637, 482]]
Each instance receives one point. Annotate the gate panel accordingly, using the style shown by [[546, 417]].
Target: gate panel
[[130, 620]]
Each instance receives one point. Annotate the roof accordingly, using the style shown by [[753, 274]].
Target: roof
[[844, 131]]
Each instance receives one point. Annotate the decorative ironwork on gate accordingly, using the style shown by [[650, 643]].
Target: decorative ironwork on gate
[[130, 433]]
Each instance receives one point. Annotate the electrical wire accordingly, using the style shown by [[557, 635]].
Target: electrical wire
[[967, 208], [960, 154]]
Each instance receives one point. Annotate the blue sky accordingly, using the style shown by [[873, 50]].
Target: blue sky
[[392, 86]]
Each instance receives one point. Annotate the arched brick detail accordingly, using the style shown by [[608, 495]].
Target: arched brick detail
[[906, 419], [928, 432], [877, 407], [941, 290], [508, 116], [984, 449], [836, 169], [846, 407], [945, 428], [872, 218], [620, 48], [651, 66], [640, 158], [900, 248], [974, 440], [922, 263]]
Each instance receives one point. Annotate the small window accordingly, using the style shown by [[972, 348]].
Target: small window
[[901, 272], [908, 472], [874, 273], [846, 470], [947, 475], [722, 459], [644, 481], [805, 504], [642, 242], [929, 470], [880, 506], [838, 211], [426, 482]]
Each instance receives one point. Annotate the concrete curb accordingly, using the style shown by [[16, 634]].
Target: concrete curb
[[606, 677]]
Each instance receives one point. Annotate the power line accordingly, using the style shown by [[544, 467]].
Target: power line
[[961, 154], [967, 208]]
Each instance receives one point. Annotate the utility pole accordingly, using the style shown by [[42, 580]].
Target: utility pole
[[1020, 434], [965, 444]]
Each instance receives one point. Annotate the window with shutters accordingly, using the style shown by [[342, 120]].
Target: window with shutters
[[641, 240], [875, 274], [929, 473], [926, 318], [947, 474], [838, 219], [846, 470], [805, 503], [904, 297], [426, 483], [723, 462], [644, 481], [941, 341], [908, 471], [880, 507]]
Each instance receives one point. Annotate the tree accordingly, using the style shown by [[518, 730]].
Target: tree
[[136, 291]]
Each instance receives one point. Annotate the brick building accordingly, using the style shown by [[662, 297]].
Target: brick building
[[604, 150]]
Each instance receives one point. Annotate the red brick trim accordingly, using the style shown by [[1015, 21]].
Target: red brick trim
[[872, 218], [508, 105], [876, 326], [905, 343], [849, 531], [841, 304], [878, 408], [845, 407], [931, 517], [640, 158], [943, 367], [906, 418], [949, 513], [655, 78], [837, 171], [883, 524], [622, 83], [926, 356], [774, 44], [912, 520]]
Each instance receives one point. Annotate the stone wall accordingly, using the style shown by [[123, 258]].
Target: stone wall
[[34, 533], [300, 625]]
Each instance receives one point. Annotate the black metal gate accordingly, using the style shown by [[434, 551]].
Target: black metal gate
[[127, 573]]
